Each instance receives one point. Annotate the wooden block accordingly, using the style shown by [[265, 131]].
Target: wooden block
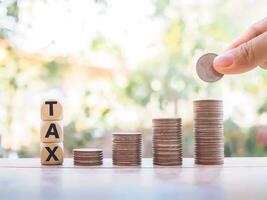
[[51, 153], [51, 110], [51, 131]]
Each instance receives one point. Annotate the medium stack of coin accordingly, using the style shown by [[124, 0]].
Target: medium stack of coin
[[208, 129], [167, 141], [127, 149], [88, 157]]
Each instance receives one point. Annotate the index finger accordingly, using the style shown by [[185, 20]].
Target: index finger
[[256, 29]]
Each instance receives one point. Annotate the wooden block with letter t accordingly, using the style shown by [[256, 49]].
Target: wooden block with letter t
[[51, 153], [51, 110], [51, 131]]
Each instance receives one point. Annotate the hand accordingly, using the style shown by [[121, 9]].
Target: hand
[[246, 53]]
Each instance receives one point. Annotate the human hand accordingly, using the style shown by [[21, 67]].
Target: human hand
[[246, 53]]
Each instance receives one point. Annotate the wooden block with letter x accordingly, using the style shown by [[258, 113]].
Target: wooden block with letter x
[[51, 110], [51, 131], [51, 153]]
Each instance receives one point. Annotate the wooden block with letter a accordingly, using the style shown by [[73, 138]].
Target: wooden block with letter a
[[51, 131], [51, 153], [51, 110]]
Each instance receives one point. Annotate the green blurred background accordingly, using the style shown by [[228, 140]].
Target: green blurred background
[[118, 64]]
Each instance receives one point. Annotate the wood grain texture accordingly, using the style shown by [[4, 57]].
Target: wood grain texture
[[238, 178]]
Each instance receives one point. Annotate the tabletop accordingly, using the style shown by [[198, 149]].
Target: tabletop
[[238, 178]]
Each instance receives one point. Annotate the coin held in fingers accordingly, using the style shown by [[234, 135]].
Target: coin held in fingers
[[205, 70]]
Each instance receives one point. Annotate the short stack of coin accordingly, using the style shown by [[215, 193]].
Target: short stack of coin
[[167, 141], [88, 157], [127, 149], [208, 129]]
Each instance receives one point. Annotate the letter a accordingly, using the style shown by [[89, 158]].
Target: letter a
[[52, 130]]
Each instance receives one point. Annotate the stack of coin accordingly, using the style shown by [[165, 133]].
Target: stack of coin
[[88, 157], [167, 141], [208, 129], [127, 149]]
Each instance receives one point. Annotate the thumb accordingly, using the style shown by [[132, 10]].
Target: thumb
[[244, 57]]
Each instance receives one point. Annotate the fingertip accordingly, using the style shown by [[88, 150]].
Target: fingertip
[[232, 69], [222, 62], [218, 69], [221, 70], [225, 70]]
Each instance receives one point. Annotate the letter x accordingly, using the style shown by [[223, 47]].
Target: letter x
[[51, 153]]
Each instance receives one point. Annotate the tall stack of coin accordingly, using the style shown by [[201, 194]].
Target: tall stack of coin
[[167, 141], [208, 129], [127, 149], [88, 157]]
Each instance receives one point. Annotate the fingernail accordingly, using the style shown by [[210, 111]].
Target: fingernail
[[223, 60]]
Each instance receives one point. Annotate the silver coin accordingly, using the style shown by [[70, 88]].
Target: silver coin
[[205, 70]]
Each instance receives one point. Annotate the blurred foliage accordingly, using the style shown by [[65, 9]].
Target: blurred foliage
[[12, 10], [53, 70], [100, 43], [160, 6], [165, 78], [9, 17]]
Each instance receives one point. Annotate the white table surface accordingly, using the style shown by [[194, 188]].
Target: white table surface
[[238, 178]]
